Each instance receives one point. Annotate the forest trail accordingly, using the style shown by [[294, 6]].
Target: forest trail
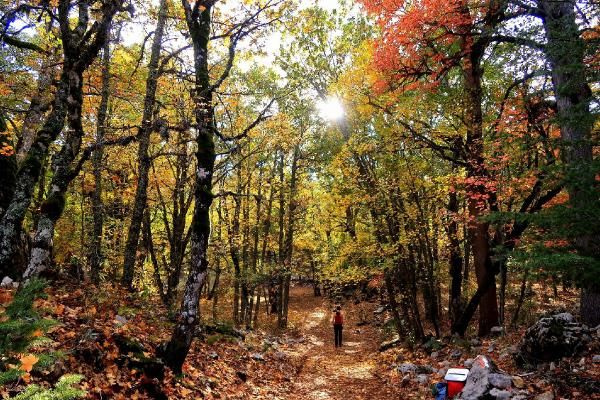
[[329, 373]]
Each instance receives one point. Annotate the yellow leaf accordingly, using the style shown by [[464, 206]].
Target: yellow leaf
[[27, 362]]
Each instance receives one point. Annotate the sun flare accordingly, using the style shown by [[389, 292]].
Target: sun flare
[[330, 109]]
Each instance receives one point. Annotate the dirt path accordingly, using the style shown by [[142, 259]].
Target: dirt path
[[346, 373]]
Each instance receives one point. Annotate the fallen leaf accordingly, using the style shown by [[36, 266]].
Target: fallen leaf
[[59, 309], [27, 362], [5, 297]]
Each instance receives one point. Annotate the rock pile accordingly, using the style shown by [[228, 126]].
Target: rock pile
[[551, 338], [486, 381]]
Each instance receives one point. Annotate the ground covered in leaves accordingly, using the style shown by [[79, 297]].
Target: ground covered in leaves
[[109, 336]]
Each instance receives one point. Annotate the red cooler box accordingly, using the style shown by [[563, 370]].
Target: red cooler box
[[456, 379]]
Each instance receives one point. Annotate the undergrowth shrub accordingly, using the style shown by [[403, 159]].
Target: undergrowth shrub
[[22, 343]]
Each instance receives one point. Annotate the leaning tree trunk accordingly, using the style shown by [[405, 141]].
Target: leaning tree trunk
[[95, 253], [39, 104], [178, 347], [141, 192], [565, 50], [28, 175], [81, 46], [54, 204]]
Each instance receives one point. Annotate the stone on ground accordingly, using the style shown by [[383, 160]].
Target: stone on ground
[[486, 381], [552, 338]]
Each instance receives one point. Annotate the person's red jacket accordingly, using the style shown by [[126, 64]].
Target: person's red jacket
[[338, 318]]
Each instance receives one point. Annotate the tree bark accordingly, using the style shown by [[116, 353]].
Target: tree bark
[[565, 50], [199, 26], [281, 236], [289, 238], [455, 305], [477, 193], [141, 192], [54, 204], [39, 104], [95, 253]]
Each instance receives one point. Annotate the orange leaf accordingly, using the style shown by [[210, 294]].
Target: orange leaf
[[59, 309], [37, 333], [27, 362]]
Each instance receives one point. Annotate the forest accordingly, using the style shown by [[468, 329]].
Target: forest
[[193, 192]]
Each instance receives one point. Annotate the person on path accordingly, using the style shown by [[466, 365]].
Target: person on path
[[338, 325]]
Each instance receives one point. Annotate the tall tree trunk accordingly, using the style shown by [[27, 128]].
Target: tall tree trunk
[[245, 290], [391, 292], [95, 253], [289, 237], [522, 292], [255, 240], [178, 347], [267, 221], [141, 192], [477, 174], [280, 241], [455, 303], [234, 238], [565, 50]]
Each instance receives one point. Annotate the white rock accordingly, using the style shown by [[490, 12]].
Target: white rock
[[497, 330], [407, 368], [500, 394], [500, 381], [6, 282], [423, 379]]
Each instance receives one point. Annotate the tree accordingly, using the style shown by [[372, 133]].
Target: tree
[[149, 123], [80, 47], [198, 21], [95, 254], [573, 98]]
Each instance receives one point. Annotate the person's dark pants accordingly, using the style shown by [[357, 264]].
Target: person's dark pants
[[337, 333]]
